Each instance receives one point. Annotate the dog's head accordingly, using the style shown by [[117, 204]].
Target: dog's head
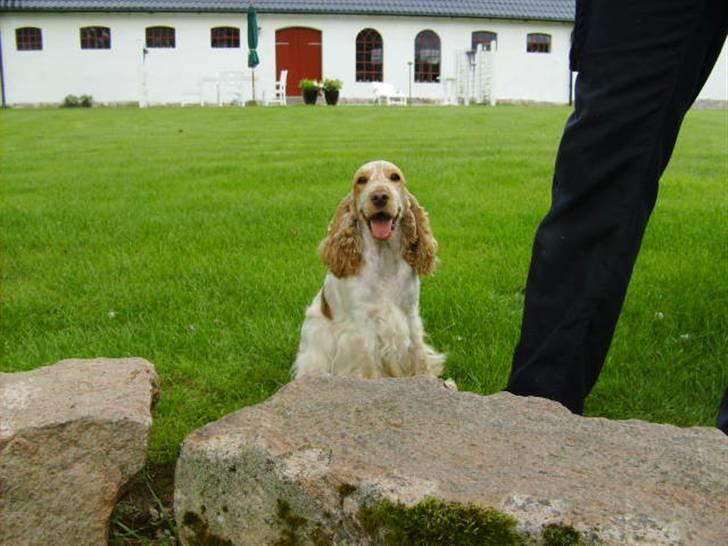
[[380, 203], [380, 196]]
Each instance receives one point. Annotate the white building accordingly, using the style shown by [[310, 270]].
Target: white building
[[173, 51]]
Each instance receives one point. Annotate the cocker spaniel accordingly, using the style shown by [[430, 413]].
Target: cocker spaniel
[[365, 321]]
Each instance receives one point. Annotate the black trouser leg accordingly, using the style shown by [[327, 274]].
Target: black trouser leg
[[641, 65]]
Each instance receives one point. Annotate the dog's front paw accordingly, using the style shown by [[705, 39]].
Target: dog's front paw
[[450, 384]]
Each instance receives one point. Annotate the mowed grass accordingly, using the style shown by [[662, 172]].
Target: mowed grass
[[188, 237]]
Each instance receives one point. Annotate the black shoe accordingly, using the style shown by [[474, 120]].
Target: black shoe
[[722, 423]]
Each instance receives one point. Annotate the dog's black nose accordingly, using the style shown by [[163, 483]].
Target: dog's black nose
[[380, 199]]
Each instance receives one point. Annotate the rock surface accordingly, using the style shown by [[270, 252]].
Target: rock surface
[[298, 468], [71, 435]]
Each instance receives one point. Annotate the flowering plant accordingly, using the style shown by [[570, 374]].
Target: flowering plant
[[332, 85], [310, 85]]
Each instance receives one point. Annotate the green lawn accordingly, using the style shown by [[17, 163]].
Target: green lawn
[[188, 237]]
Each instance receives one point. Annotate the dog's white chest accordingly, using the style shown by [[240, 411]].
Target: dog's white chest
[[389, 283]]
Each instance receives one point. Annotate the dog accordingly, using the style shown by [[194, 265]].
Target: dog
[[365, 321]]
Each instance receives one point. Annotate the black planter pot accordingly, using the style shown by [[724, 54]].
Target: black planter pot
[[310, 96], [332, 96]]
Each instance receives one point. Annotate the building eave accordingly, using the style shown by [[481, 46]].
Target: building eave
[[296, 12], [560, 11]]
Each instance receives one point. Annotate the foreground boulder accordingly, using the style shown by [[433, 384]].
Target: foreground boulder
[[71, 435], [404, 461]]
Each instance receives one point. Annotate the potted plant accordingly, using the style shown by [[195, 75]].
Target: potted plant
[[331, 91], [311, 89]]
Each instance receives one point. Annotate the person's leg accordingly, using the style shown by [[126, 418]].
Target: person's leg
[[641, 65]]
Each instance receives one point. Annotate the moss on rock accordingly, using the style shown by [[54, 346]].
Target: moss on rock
[[201, 532], [561, 535], [289, 524], [433, 522]]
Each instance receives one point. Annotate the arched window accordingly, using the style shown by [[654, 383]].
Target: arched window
[[427, 57], [95, 38], [160, 37], [28, 39], [369, 56], [538, 43], [489, 40], [225, 37]]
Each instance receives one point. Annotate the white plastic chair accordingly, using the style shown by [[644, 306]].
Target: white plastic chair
[[231, 85], [203, 89], [386, 93], [279, 91]]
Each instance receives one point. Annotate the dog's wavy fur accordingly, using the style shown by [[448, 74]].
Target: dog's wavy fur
[[365, 320]]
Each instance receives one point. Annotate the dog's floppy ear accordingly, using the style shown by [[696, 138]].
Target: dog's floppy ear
[[341, 250], [418, 245]]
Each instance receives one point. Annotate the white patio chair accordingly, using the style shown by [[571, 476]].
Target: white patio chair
[[207, 87], [231, 88], [279, 90], [386, 93]]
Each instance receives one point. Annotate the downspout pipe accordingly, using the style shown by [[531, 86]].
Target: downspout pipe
[[571, 87], [2, 74]]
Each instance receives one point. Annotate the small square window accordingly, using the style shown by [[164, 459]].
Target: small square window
[[485, 38], [160, 37], [28, 39], [222, 37], [95, 38], [538, 43]]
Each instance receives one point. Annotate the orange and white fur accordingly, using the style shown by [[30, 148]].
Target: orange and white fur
[[365, 321]]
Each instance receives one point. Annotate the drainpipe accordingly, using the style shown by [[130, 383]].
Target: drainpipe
[[2, 73], [571, 67], [571, 87], [409, 82]]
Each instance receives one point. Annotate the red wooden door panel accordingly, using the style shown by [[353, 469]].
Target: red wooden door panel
[[298, 50]]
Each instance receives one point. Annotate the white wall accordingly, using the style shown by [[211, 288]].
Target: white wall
[[716, 87], [123, 74], [521, 75], [61, 67]]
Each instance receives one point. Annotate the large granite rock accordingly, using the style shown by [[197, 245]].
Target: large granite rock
[[329, 460], [71, 435]]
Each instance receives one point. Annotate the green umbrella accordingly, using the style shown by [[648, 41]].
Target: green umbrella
[[253, 59]]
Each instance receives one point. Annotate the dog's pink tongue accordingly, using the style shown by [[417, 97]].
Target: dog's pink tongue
[[382, 229]]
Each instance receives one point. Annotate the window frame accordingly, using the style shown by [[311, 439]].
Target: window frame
[[159, 36], [367, 41], [92, 41], [225, 41], [474, 42], [28, 39], [427, 71], [538, 42]]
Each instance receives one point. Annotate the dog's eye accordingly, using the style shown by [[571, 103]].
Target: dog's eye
[[361, 180], [394, 177]]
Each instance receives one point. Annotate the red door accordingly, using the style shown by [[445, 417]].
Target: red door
[[298, 50]]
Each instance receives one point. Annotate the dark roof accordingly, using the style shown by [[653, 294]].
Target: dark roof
[[542, 10]]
